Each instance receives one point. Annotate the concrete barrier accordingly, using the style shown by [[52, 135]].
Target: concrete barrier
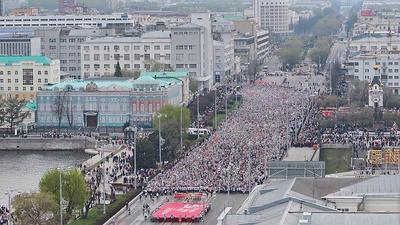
[[336, 146], [49, 144]]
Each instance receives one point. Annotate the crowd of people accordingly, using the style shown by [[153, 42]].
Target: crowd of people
[[4, 215], [360, 140], [235, 157]]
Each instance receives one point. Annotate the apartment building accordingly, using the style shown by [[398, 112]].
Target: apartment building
[[65, 44], [223, 35], [118, 21], [23, 76], [99, 56], [188, 52], [374, 42], [361, 67], [272, 15], [19, 45]]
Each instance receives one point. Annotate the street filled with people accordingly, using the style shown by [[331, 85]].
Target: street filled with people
[[4, 215], [234, 157]]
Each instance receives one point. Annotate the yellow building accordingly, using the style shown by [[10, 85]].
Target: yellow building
[[23, 76], [25, 12]]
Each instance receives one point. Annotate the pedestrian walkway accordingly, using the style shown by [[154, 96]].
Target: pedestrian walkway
[[136, 216]]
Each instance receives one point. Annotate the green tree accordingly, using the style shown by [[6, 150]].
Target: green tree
[[2, 112], [319, 54], [118, 72], [390, 100], [328, 25], [170, 126], [74, 188], [135, 74], [35, 209], [13, 112], [59, 107], [155, 66], [147, 150], [194, 85], [291, 53]]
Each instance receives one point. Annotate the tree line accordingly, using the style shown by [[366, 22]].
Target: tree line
[[12, 112]]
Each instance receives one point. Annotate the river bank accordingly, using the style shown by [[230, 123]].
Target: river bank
[[46, 144]]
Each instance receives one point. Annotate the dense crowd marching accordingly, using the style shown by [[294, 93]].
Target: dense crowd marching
[[235, 157], [4, 215]]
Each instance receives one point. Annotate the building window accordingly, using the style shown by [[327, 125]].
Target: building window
[[86, 48], [127, 66], [96, 57], [179, 56], [179, 66], [46, 72], [156, 56], [116, 57], [136, 57], [146, 56], [157, 47], [136, 66], [136, 47], [27, 76], [167, 56], [127, 57], [96, 48], [106, 57], [46, 81], [192, 57], [39, 80], [167, 47], [147, 47], [116, 48], [86, 57], [126, 48], [192, 66], [16, 80]]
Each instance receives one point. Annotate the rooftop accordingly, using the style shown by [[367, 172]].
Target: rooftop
[[10, 60]]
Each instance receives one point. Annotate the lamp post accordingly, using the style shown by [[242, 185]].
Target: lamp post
[[181, 132], [131, 133], [226, 102], [9, 193], [215, 107], [198, 116], [159, 116]]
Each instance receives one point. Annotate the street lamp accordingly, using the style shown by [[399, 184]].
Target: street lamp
[[130, 134], [61, 196], [182, 104], [215, 107], [9, 193], [159, 116]]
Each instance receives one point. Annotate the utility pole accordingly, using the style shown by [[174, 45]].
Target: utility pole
[[104, 181], [215, 108], [181, 127], [198, 117], [61, 205]]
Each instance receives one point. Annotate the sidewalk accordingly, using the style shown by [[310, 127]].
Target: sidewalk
[[136, 206]]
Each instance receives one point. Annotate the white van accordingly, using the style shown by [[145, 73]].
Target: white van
[[201, 131]]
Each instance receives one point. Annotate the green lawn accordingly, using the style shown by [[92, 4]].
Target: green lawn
[[336, 160], [96, 213]]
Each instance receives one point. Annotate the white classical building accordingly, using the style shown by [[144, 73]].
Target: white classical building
[[23, 76], [272, 15], [99, 56]]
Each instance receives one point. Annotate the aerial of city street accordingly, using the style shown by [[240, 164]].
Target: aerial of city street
[[229, 112]]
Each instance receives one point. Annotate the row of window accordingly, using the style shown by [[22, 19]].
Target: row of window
[[384, 70], [16, 72], [396, 63], [127, 47], [17, 89], [17, 81], [125, 66], [136, 57]]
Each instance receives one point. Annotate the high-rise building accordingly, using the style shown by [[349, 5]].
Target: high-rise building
[[1, 7], [272, 15]]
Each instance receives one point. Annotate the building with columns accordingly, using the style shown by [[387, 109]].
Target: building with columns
[[112, 102]]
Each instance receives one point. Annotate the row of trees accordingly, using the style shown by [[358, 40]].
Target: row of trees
[[43, 208], [12, 112], [291, 53], [62, 108]]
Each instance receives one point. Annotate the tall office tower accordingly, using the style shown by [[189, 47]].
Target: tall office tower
[[1, 7], [272, 15], [65, 5]]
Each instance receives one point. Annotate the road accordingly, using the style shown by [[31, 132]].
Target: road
[[218, 203]]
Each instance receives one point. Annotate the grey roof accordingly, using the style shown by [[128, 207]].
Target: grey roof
[[157, 34], [389, 184], [355, 219], [188, 25]]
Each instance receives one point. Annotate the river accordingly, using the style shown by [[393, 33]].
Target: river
[[21, 171]]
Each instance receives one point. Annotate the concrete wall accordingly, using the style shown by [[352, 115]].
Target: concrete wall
[[77, 143]]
